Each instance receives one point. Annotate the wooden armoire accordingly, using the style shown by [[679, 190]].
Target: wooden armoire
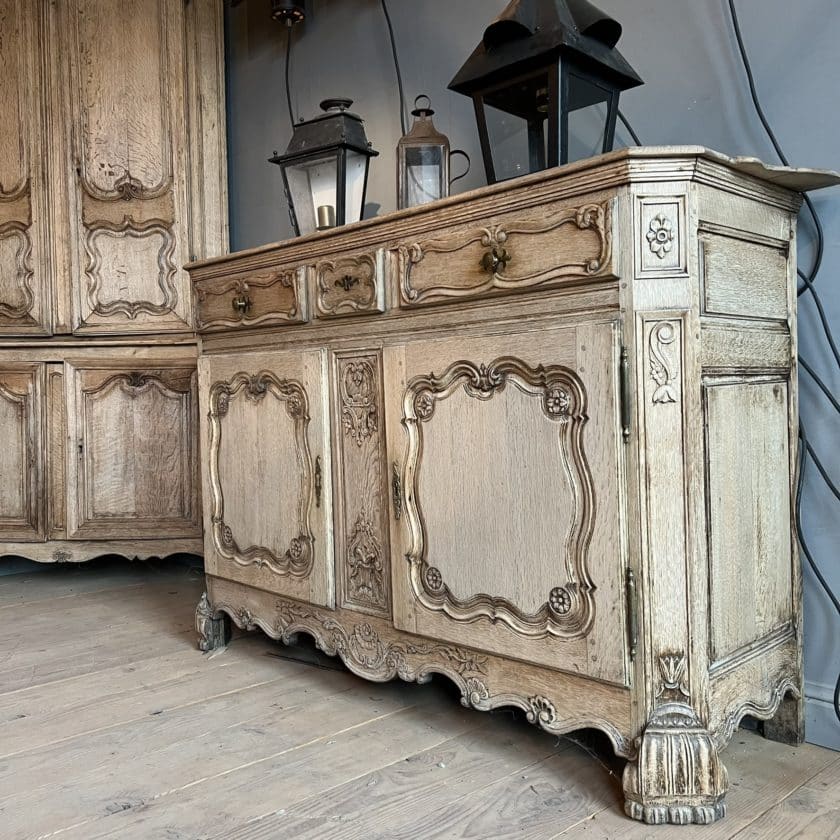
[[112, 177]]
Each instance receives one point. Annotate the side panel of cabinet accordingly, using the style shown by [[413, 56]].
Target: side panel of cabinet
[[21, 451], [266, 472], [123, 68], [505, 506], [133, 450], [24, 297]]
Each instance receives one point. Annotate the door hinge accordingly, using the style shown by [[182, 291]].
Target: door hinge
[[624, 393], [632, 612], [318, 482]]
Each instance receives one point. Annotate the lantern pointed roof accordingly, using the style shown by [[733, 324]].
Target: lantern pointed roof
[[528, 33]]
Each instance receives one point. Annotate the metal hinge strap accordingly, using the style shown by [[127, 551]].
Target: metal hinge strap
[[624, 395], [632, 612]]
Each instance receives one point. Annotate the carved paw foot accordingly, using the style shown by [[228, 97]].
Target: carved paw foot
[[213, 629], [678, 777]]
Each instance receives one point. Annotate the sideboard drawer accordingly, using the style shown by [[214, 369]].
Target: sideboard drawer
[[350, 285], [518, 251], [267, 298]]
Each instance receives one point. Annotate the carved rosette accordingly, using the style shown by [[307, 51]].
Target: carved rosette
[[663, 370], [590, 217], [298, 557], [678, 777], [357, 384], [569, 608], [660, 235]]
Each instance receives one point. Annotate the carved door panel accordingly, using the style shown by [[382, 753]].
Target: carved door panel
[[506, 469], [122, 64], [132, 456], [21, 451], [24, 302], [266, 478]]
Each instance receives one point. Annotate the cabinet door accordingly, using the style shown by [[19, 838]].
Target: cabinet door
[[505, 508], [133, 451], [23, 270], [125, 112], [266, 472], [21, 451]]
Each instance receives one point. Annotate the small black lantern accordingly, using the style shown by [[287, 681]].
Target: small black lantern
[[545, 82], [325, 169]]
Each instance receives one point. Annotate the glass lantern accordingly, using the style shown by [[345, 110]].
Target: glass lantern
[[545, 83], [325, 169], [422, 160]]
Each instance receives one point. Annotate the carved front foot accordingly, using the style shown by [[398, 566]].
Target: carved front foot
[[213, 630], [678, 777]]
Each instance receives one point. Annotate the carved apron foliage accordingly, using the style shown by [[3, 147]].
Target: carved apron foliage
[[568, 610]]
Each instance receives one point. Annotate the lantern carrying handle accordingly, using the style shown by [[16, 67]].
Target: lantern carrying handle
[[422, 110], [466, 171]]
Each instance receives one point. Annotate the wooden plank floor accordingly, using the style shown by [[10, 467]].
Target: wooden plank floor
[[113, 725]]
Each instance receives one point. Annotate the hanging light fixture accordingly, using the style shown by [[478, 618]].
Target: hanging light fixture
[[325, 169], [545, 82], [288, 13]]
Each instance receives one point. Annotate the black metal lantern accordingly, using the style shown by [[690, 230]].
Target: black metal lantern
[[325, 169], [545, 82]]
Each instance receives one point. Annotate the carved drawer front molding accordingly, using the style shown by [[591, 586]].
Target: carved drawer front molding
[[251, 299], [568, 608], [512, 253], [21, 455], [260, 390], [349, 285], [362, 545], [136, 452]]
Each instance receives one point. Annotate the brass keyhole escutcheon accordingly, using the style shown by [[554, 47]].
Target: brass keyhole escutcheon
[[495, 260]]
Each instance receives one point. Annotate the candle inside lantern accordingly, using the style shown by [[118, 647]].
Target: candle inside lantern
[[326, 217]]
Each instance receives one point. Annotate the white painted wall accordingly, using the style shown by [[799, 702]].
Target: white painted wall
[[695, 93]]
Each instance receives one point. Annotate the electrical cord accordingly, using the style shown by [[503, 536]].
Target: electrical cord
[[403, 117], [288, 85], [806, 450], [625, 122]]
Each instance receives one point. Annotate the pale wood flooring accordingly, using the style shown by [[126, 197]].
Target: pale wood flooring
[[112, 724]]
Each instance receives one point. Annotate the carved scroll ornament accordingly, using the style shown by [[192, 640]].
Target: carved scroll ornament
[[569, 608], [663, 370], [298, 558]]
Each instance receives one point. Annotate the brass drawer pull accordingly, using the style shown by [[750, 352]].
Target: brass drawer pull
[[495, 259], [242, 303], [396, 490], [319, 482], [347, 282]]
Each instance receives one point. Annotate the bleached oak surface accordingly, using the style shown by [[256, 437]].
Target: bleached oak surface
[[112, 724]]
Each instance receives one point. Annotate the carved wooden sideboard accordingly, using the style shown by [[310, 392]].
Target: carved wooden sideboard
[[112, 176], [541, 439]]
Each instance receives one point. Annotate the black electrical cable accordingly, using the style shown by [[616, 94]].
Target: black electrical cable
[[807, 450], [288, 86], [626, 124], [403, 118], [823, 387]]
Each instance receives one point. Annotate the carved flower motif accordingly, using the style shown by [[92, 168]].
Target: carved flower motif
[[246, 618], [295, 549], [476, 693], [557, 402], [227, 535], [541, 711], [559, 600], [294, 405], [424, 405], [434, 579], [222, 403], [660, 235]]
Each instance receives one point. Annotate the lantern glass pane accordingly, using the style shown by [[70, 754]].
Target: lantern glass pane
[[357, 165], [422, 174], [312, 185], [588, 106]]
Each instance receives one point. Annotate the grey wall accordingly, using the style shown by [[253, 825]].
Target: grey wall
[[695, 93]]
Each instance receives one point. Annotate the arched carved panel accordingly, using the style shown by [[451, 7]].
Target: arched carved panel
[[257, 390], [568, 607]]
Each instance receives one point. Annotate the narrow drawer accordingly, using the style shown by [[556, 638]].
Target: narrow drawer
[[350, 285], [538, 247], [267, 298]]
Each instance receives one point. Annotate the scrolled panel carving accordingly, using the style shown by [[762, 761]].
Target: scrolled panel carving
[[298, 558], [500, 273], [346, 285], [98, 264], [358, 400], [568, 610], [17, 297], [663, 370]]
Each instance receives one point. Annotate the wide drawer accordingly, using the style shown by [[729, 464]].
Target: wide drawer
[[350, 284], [254, 298], [536, 247]]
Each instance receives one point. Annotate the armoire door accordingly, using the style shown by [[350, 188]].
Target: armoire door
[[21, 451], [266, 473], [123, 68], [24, 297], [133, 451], [506, 454]]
